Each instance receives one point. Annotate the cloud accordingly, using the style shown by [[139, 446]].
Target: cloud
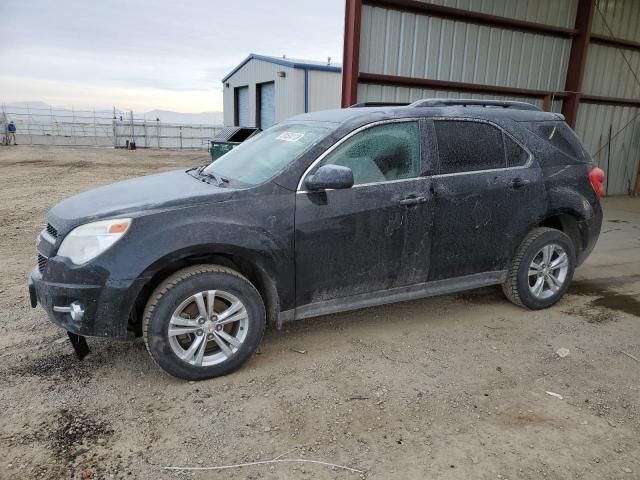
[[151, 53], [101, 96]]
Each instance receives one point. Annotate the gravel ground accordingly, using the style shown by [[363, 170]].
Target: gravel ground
[[450, 388]]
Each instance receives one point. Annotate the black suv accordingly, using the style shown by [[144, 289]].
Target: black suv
[[325, 212]]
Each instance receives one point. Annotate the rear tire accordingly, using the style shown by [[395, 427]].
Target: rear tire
[[203, 322], [541, 270]]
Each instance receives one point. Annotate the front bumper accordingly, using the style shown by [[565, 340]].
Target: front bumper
[[83, 309]]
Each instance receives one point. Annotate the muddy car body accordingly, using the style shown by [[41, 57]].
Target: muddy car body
[[325, 212]]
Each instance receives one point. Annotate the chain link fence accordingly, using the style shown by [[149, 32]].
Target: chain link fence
[[52, 126]]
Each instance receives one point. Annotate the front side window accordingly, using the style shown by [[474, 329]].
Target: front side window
[[261, 157], [466, 146], [382, 153]]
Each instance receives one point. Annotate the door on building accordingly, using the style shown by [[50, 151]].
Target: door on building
[[242, 106], [266, 105]]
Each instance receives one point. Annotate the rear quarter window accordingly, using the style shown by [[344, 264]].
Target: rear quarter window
[[561, 137], [516, 155]]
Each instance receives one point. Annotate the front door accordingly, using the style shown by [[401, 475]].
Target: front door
[[488, 191], [375, 235]]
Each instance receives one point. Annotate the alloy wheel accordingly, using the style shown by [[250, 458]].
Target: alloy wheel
[[548, 271], [208, 328]]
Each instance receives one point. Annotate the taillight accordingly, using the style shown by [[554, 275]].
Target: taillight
[[596, 177]]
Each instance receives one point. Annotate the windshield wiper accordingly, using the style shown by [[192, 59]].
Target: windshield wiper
[[201, 173]]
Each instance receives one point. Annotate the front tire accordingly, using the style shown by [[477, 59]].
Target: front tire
[[541, 269], [203, 322]]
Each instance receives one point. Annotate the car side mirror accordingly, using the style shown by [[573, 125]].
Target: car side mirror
[[334, 177]]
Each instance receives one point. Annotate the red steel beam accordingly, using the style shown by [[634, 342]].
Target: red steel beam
[[547, 97], [577, 60], [351, 53], [413, 82], [472, 17], [615, 42], [617, 101]]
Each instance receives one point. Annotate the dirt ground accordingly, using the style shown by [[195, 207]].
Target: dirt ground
[[445, 388]]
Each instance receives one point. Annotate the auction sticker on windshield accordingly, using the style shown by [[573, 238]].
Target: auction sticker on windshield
[[290, 136]]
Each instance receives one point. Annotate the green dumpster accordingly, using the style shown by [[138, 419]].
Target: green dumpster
[[228, 138]]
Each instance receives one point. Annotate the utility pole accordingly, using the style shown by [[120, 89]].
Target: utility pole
[[95, 128], [115, 131], [53, 125], [4, 122], [144, 124], [133, 133]]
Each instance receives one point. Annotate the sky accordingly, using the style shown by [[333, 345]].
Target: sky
[[151, 54]]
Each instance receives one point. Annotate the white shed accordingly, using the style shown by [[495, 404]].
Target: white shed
[[265, 90]]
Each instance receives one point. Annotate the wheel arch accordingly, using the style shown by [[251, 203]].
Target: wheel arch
[[243, 262], [568, 222]]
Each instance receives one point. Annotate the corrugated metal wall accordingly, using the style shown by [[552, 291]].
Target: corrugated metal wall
[[622, 16], [422, 46], [559, 13], [620, 159], [608, 74], [412, 45], [378, 93], [324, 90]]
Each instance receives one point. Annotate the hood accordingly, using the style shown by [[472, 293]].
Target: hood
[[153, 192]]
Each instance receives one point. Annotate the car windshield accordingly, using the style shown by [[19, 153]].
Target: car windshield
[[261, 157]]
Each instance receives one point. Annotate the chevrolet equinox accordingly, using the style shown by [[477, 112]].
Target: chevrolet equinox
[[325, 212]]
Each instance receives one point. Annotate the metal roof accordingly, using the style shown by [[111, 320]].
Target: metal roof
[[287, 62]]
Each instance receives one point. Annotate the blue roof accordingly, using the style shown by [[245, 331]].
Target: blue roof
[[286, 62]]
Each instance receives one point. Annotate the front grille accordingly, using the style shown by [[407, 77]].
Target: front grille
[[42, 262], [52, 231]]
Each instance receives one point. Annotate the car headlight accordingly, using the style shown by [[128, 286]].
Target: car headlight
[[87, 241]]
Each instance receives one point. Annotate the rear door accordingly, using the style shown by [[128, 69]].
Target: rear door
[[488, 193], [375, 235]]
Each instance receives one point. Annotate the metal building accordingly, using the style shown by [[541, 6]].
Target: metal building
[[578, 57], [265, 90]]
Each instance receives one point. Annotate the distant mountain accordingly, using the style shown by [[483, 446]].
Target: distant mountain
[[40, 109], [205, 118], [35, 105]]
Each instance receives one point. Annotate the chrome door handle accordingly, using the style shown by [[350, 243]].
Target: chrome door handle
[[412, 201], [518, 183]]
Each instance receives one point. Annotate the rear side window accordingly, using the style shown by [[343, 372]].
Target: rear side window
[[466, 146], [560, 136], [381, 153], [516, 155]]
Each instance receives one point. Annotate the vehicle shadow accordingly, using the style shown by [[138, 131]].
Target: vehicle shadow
[[315, 337]]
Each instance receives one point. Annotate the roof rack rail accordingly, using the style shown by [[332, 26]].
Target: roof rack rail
[[379, 104], [460, 102]]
